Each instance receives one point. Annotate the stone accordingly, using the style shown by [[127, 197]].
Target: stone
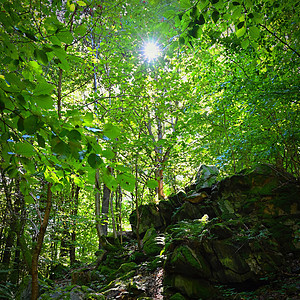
[[127, 267], [196, 197], [166, 209], [206, 176], [149, 217], [177, 199], [194, 288], [184, 260], [152, 242]]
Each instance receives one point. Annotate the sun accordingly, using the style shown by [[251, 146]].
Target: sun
[[151, 50]]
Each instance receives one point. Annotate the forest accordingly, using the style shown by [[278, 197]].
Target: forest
[[149, 149]]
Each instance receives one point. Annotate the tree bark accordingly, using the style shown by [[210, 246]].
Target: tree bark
[[104, 209], [113, 220], [38, 246], [160, 181], [137, 209], [73, 233]]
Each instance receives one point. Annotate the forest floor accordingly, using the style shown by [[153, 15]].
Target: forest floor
[[148, 284]]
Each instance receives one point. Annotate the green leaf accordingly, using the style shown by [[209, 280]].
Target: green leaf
[[126, 181], [44, 101], [13, 79], [31, 124], [59, 52], [201, 20], [240, 32], [245, 44], [28, 165], [81, 3], [20, 124], [35, 67], [74, 135], [185, 4], [65, 37], [237, 13], [62, 148], [108, 153], [41, 140], [152, 184], [41, 56], [215, 16], [111, 131], [28, 199], [43, 88], [81, 30], [88, 119], [202, 4], [72, 7], [2, 105], [94, 160], [75, 148], [25, 149], [257, 17], [254, 32], [110, 181]]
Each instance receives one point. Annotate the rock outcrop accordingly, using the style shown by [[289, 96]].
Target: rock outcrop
[[234, 232]]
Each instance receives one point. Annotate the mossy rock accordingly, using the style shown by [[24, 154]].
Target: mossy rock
[[95, 296], [188, 211], [177, 296], [152, 242], [177, 199], [149, 217], [58, 271], [184, 260], [193, 288], [166, 209], [138, 257], [127, 267]]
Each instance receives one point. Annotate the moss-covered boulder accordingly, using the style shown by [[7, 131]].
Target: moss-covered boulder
[[206, 176], [152, 242], [127, 267], [191, 287], [149, 217]]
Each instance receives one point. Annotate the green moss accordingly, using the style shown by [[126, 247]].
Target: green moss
[[177, 296], [126, 267], [194, 288], [185, 258]]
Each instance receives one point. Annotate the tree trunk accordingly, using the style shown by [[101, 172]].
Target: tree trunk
[[38, 246], [137, 209], [73, 233], [10, 240], [14, 276], [113, 220], [104, 209], [160, 181]]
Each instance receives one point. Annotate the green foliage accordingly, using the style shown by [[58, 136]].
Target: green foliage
[[224, 91], [191, 229]]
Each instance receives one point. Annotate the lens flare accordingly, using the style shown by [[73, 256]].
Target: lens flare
[[151, 51]]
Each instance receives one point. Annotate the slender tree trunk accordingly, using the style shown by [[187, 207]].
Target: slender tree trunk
[[73, 233], [137, 209], [104, 209], [119, 207], [160, 181], [59, 96], [10, 237], [10, 240], [38, 246], [14, 276], [113, 220]]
